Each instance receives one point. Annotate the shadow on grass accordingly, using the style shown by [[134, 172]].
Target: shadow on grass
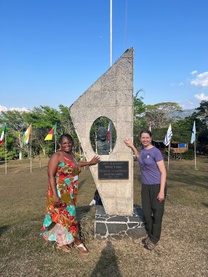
[[205, 204], [81, 183], [107, 264], [3, 229], [82, 211]]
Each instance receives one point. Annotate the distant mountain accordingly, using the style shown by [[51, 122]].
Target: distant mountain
[[183, 114]]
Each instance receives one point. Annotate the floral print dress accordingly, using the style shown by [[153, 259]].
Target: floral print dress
[[60, 224]]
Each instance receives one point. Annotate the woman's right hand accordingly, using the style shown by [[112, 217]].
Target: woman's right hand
[[128, 142], [56, 201]]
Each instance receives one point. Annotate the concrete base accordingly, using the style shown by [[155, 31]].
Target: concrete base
[[119, 227]]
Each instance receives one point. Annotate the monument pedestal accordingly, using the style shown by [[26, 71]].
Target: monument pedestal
[[119, 227]]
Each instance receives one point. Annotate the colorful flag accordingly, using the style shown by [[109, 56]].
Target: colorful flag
[[193, 135], [168, 136], [51, 133], [26, 135], [3, 135]]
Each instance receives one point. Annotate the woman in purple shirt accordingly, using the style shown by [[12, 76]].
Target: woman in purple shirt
[[153, 173]]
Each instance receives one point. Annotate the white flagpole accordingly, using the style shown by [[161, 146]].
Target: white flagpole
[[193, 140], [30, 141], [55, 143], [169, 155], [195, 153], [110, 134], [5, 154], [111, 32]]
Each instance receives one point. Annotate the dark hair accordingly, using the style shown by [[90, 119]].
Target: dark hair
[[146, 132], [66, 136]]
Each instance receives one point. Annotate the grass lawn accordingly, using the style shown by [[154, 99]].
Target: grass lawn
[[182, 250]]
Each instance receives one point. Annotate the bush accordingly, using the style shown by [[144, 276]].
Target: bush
[[188, 155]]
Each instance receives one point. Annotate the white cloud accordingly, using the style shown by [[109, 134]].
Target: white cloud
[[201, 97], [201, 80], [180, 84], [193, 72], [5, 109]]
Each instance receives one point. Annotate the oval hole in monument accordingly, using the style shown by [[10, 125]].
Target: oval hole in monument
[[103, 136]]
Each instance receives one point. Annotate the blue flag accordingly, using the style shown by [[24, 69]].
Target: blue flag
[[193, 135]]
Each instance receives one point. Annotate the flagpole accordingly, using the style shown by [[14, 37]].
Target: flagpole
[[195, 153], [110, 135], [55, 143], [167, 141], [169, 155], [111, 32], [31, 151], [193, 140], [5, 154]]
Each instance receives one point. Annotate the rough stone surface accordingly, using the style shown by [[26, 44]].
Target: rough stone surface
[[119, 227], [110, 96]]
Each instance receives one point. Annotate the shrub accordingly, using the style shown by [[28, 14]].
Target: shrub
[[188, 155]]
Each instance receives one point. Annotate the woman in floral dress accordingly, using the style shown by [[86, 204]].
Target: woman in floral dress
[[60, 223]]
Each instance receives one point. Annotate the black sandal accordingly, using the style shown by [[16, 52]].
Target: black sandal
[[145, 240], [150, 245]]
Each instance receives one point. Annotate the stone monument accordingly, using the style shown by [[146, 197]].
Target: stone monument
[[110, 96]]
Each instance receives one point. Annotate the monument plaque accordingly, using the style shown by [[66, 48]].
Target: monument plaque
[[115, 170]]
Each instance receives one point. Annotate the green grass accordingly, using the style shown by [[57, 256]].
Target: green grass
[[182, 251]]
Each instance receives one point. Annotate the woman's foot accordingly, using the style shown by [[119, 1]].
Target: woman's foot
[[65, 248], [82, 249], [145, 240], [150, 245]]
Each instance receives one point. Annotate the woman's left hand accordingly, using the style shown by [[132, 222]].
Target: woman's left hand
[[161, 196], [95, 160]]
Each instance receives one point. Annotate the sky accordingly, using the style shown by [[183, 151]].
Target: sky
[[52, 51]]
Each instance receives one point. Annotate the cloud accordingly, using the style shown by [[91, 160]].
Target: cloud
[[180, 84], [201, 97], [201, 80], [5, 109], [193, 72]]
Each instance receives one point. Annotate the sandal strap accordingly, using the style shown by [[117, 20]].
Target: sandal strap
[[64, 248], [81, 245], [150, 245], [82, 249]]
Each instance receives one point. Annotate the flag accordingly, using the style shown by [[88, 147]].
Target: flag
[[168, 136], [3, 135], [109, 131], [193, 135], [26, 135], [110, 134], [51, 133]]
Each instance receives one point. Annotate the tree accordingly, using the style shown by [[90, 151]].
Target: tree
[[160, 114], [202, 112], [15, 122], [202, 115], [139, 121]]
